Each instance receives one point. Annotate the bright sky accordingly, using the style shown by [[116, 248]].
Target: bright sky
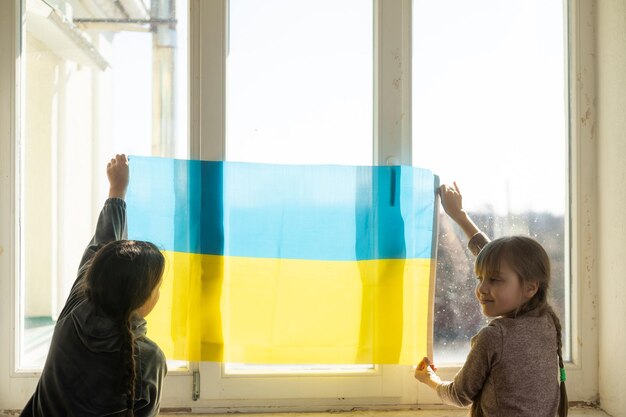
[[489, 100], [488, 95]]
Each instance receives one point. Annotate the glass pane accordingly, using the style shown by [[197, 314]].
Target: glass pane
[[100, 78], [490, 111], [299, 82], [300, 91]]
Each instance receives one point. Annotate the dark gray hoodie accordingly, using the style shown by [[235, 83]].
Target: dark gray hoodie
[[83, 375]]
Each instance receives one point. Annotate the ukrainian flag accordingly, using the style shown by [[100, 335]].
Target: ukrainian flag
[[286, 264]]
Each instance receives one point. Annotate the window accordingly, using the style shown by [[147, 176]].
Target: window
[[492, 115], [299, 82], [59, 106], [281, 70], [98, 80]]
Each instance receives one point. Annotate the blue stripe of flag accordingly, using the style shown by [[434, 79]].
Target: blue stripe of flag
[[315, 212]]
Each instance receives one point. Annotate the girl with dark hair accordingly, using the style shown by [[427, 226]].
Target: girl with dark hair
[[516, 362], [100, 362]]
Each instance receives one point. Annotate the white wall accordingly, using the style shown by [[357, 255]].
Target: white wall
[[611, 137]]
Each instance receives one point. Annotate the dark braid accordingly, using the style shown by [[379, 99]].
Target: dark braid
[[121, 278], [129, 370], [539, 305], [563, 404]]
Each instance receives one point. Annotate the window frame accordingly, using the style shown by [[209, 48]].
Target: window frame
[[386, 384], [582, 371], [392, 144]]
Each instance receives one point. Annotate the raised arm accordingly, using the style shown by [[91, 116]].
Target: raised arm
[[452, 202], [111, 224]]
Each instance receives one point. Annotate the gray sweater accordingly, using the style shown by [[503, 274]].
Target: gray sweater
[[511, 369]]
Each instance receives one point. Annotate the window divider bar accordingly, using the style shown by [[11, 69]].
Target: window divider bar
[[392, 82], [208, 23]]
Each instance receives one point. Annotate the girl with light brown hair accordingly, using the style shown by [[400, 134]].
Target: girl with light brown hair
[[515, 364]]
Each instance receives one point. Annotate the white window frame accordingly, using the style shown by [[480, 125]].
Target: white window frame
[[581, 226], [385, 385], [390, 385], [582, 371]]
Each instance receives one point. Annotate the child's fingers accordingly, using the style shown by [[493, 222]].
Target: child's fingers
[[423, 364], [426, 363], [119, 159], [443, 189]]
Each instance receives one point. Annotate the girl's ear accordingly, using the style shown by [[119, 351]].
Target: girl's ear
[[531, 288]]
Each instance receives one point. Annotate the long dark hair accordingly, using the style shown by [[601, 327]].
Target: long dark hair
[[120, 279], [531, 263]]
